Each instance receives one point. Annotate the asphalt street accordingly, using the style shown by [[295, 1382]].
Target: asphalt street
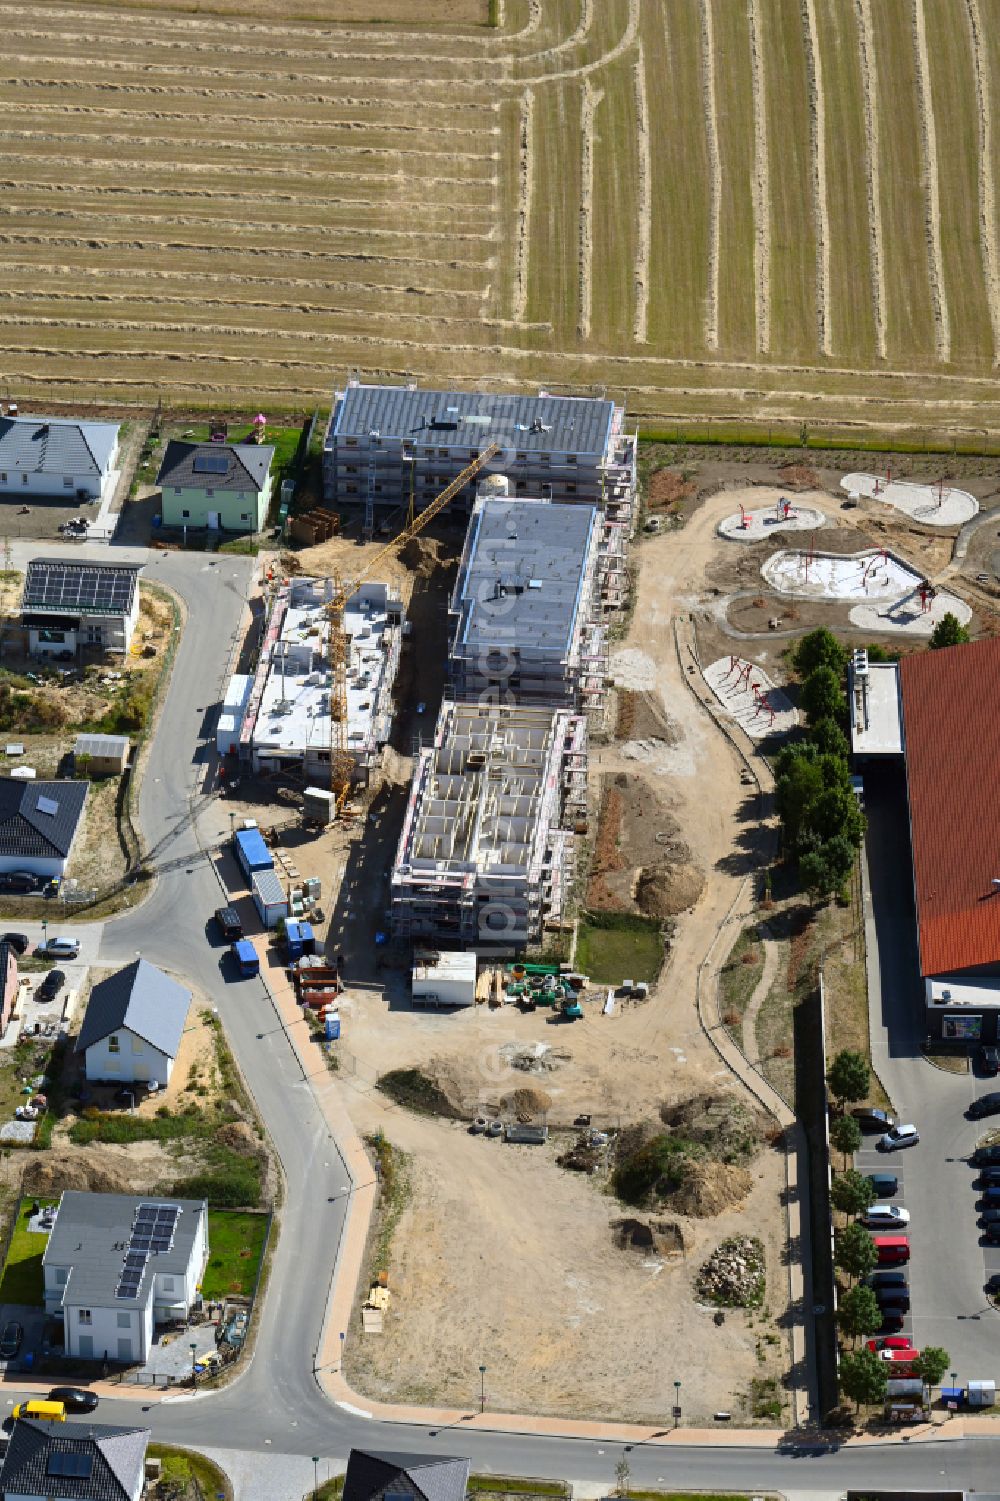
[[276, 1405], [949, 1266]]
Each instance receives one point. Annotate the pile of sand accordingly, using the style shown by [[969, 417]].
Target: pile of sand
[[667, 487], [48, 1176], [710, 1188], [527, 1104], [668, 888], [422, 555]]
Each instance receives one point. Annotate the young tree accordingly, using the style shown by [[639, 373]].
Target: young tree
[[822, 696], [825, 867], [932, 1364], [849, 1076], [851, 1192], [855, 1252], [819, 648], [845, 1135], [948, 632], [863, 1377], [859, 1313]]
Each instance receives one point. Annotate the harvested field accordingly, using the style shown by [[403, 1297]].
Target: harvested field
[[708, 205]]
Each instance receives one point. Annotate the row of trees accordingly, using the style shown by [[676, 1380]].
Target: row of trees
[[821, 820]]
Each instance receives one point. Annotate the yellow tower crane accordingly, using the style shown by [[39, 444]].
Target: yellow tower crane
[[341, 760]]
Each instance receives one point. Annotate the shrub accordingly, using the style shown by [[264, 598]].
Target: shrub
[[236, 1188]]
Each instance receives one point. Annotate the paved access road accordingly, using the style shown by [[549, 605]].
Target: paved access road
[[949, 1266]]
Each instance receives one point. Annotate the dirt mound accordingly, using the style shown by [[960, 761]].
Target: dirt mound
[[422, 555], [527, 1103], [662, 1237], [728, 1128], [666, 889], [710, 1188], [239, 1137], [50, 1176], [799, 477], [436, 1089], [667, 487]]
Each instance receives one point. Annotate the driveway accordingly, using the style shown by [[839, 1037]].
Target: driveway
[[949, 1266]]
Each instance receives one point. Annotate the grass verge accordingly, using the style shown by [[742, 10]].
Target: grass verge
[[613, 946], [392, 1167], [738, 979], [185, 1470], [236, 1245], [21, 1280]]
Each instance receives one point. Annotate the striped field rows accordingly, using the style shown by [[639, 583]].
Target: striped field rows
[[767, 211]]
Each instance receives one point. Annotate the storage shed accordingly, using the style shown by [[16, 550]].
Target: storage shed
[[269, 897], [444, 979], [102, 755], [251, 852]]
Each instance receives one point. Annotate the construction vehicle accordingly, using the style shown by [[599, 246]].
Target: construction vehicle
[[571, 1009], [341, 760]]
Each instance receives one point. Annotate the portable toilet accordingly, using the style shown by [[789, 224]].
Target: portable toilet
[[293, 939], [332, 1027]]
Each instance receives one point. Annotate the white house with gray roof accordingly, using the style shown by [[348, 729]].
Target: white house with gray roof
[[57, 458], [68, 604], [133, 1026], [39, 825], [116, 1266], [73, 1462], [220, 486]]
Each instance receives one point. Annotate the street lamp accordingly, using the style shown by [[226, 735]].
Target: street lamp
[[677, 1402], [315, 1460], [482, 1389], [194, 1356]]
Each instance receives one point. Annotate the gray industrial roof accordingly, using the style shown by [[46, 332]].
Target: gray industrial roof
[[520, 581], [425, 1477], [141, 998], [56, 445], [90, 1236], [109, 1462], [236, 467], [464, 419], [39, 819]]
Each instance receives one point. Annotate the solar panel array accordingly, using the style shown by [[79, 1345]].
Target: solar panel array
[[210, 463], [65, 586], [62, 1463], [152, 1233]]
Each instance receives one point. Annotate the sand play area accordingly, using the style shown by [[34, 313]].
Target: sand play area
[[746, 693], [757, 523], [870, 575], [933, 505]]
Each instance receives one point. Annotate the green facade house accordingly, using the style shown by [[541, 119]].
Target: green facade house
[[220, 486]]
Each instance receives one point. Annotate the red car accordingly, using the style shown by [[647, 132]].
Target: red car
[[891, 1342]]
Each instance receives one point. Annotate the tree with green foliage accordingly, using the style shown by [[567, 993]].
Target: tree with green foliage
[[822, 696], [829, 739], [819, 648], [824, 869], [948, 632], [863, 1377], [849, 1076], [845, 1135], [859, 1313], [798, 785], [851, 1192], [932, 1364], [855, 1252]]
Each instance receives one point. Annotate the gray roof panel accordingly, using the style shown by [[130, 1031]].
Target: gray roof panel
[[143, 999], [56, 445], [466, 419], [245, 470], [424, 1477], [117, 1455], [90, 1237], [28, 832]]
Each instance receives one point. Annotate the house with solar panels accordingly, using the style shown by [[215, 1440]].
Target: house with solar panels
[[222, 487], [39, 825], [133, 1026], [116, 1266], [58, 459], [73, 1462], [69, 605]]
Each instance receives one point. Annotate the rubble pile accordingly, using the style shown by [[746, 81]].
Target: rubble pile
[[733, 1276]]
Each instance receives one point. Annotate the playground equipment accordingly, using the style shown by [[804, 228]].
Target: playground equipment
[[783, 510], [872, 563], [927, 594], [746, 520]]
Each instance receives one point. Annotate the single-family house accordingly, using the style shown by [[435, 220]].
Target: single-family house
[[374, 1476], [115, 1266], [222, 486], [8, 982], [68, 604], [101, 755], [133, 1025], [73, 1462], [39, 825], [58, 458]]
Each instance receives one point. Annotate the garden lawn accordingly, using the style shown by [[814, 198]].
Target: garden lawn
[[21, 1281], [235, 1247], [612, 946]]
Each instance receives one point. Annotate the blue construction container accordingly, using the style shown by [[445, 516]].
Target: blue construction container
[[251, 852], [293, 939]]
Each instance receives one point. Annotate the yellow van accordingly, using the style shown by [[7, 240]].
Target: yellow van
[[52, 1412]]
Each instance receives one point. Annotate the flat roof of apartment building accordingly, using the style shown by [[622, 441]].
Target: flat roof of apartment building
[[471, 419], [523, 575]]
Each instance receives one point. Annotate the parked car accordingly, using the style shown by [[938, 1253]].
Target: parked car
[[885, 1217], [10, 1340], [59, 947], [990, 1215], [228, 920], [893, 1297], [993, 1285], [892, 1250], [990, 1197], [886, 1185], [23, 882], [899, 1361], [988, 1059], [892, 1320], [897, 1138], [987, 1156], [990, 1177], [74, 1398], [893, 1342], [886, 1279], [991, 1234], [985, 1104], [19, 942], [870, 1119], [50, 987]]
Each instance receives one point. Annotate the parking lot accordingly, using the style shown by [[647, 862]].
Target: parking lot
[[950, 1263]]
